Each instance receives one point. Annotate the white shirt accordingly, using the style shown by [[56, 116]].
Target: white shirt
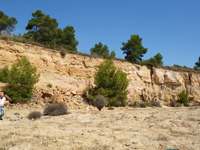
[[2, 100]]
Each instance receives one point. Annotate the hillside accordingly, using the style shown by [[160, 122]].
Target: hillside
[[76, 72]]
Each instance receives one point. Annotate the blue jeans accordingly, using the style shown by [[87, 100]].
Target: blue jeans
[[2, 112]]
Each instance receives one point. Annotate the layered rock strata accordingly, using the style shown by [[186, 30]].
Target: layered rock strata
[[77, 72]]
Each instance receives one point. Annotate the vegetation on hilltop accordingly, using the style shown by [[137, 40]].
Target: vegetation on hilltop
[[133, 49], [102, 50], [43, 31], [7, 24], [197, 65]]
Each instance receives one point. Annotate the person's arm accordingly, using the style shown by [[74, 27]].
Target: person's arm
[[6, 100]]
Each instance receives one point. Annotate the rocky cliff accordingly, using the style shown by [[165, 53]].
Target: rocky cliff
[[76, 72]]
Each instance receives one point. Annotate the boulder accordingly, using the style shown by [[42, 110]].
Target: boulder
[[57, 98], [46, 95]]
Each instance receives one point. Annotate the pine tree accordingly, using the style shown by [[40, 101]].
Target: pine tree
[[133, 49], [110, 82], [100, 49], [21, 79], [7, 23], [41, 28], [198, 63]]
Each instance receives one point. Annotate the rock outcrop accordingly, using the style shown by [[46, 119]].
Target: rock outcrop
[[76, 72]]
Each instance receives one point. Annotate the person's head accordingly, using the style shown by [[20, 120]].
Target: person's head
[[1, 95]]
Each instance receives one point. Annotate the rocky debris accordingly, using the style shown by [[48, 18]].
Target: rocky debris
[[73, 99], [57, 98], [3, 86], [195, 99], [46, 95]]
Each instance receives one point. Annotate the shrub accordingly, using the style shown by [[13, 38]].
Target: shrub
[[100, 101], [183, 98], [196, 68], [143, 105], [22, 77], [56, 109], [4, 74], [49, 85], [174, 103], [155, 104], [34, 115], [136, 104], [111, 83], [153, 61]]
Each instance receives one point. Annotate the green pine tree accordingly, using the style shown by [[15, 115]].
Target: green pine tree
[[110, 82], [133, 49], [100, 49], [41, 28], [183, 98], [21, 79], [198, 63], [7, 23]]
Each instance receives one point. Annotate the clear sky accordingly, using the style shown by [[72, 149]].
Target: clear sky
[[170, 27]]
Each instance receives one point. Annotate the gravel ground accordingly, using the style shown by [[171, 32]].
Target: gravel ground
[[118, 129]]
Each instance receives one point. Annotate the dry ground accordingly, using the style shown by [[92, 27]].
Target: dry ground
[[119, 129]]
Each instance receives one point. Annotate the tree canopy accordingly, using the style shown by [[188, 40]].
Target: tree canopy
[[44, 29], [198, 63], [41, 28], [133, 49], [153, 61], [68, 38], [102, 50], [7, 23]]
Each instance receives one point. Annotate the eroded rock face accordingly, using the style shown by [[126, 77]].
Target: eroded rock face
[[76, 72]]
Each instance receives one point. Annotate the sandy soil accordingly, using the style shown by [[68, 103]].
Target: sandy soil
[[119, 129]]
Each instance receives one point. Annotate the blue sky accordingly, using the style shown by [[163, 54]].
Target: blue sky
[[170, 27]]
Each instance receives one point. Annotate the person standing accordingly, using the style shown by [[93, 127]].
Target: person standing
[[2, 101]]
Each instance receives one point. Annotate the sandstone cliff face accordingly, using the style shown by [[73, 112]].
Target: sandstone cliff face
[[76, 72]]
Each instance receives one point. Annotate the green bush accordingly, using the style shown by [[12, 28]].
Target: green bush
[[183, 98], [4, 74], [34, 115], [153, 61], [100, 101], [196, 68], [49, 85], [111, 83], [22, 77], [56, 109]]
